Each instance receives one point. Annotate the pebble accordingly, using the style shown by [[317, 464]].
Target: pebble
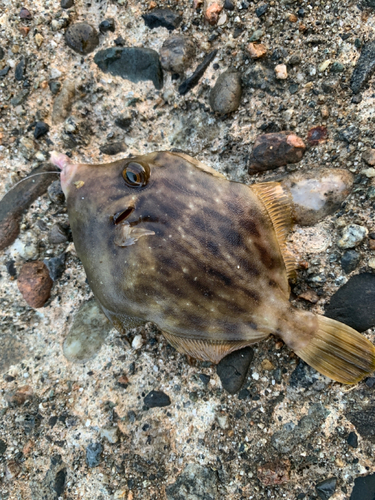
[[275, 150], [229, 5], [2, 53], [256, 50], [316, 135], [165, 18], [113, 148], [137, 342], [326, 488], [35, 284], [20, 98], [132, 63], [25, 13], [324, 65], [256, 36], [369, 157], [93, 454], [107, 25], [294, 60], [110, 434], [317, 193], [3, 447], [212, 11], [55, 192], [87, 334], [56, 266], [66, 4], [303, 376], [156, 399], [363, 420], [352, 236], [19, 73], [226, 94], [364, 68], [124, 121], [20, 396], [260, 11], [352, 440], [350, 261], [25, 247], [82, 38], [274, 473], [39, 39], [63, 102], [193, 80], [232, 369], [337, 67], [41, 128], [4, 71], [57, 234], [353, 303], [281, 72], [177, 53], [54, 87], [194, 483], [364, 487]]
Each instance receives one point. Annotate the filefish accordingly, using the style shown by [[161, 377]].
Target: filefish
[[167, 239]]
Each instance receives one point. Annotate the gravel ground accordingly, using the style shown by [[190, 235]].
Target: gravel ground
[[84, 429]]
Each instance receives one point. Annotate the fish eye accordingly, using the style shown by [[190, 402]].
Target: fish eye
[[136, 174]]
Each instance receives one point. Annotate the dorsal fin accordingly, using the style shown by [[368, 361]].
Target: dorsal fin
[[279, 208], [199, 164]]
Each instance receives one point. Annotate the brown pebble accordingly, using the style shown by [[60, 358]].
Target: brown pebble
[[272, 473], [309, 295], [63, 102], [24, 30], [302, 27], [34, 283], [18, 398], [372, 244], [212, 12], [256, 50], [25, 14], [324, 111], [369, 156], [317, 135], [267, 365], [276, 150], [293, 18]]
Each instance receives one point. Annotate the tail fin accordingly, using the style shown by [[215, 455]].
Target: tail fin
[[339, 352]]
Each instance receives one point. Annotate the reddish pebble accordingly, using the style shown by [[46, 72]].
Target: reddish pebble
[[19, 397], [272, 473], [212, 13], [256, 50], [24, 30], [35, 284], [309, 295], [293, 18], [317, 135], [25, 14]]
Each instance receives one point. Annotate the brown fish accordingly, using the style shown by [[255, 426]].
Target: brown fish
[[164, 238]]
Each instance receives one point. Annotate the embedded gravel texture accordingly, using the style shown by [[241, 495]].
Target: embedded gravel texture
[[140, 421]]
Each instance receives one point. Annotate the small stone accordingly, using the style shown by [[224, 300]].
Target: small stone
[[267, 365], [364, 68], [229, 5], [20, 396], [281, 72], [19, 73], [110, 434], [326, 488], [368, 172], [63, 102], [39, 39], [165, 18], [256, 50], [113, 148], [324, 111], [204, 378], [156, 399], [337, 67], [260, 11], [317, 135], [310, 296], [352, 440], [350, 261], [212, 12], [137, 342], [93, 454], [194, 483], [66, 4], [34, 283], [20, 98], [273, 473], [57, 235], [293, 18], [256, 36], [364, 487], [369, 157], [177, 54], [276, 150], [232, 369], [353, 303], [41, 128], [370, 382], [87, 333], [3, 447], [371, 263], [124, 121], [56, 266], [119, 41], [25, 13], [352, 236], [54, 87], [82, 38], [55, 192], [324, 65], [107, 25], [294, 60], [226, 94], [132, 63], [4, 71], [10, 268]]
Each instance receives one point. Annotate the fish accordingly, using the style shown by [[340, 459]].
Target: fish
[[167, 239]]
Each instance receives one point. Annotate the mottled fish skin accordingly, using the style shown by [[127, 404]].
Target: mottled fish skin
[[213, 270]]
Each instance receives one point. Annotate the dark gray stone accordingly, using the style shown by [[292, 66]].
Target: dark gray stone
[[54, 87], [286, 440], [260, 11], [226, 94], [156, 399], [19, 73], [124, 121], [41, 129], [132, 63], [352, 440], [113, 148], [177, 53], [107, 25], [194, 483], [3, 447], [4, 71], [56, 266], [55, 192], [193, 80], [326, 488], [350, 261], [364, 488], [2, 53], [364, 68], [233, 369], [337, 67], [19, 98], [364, 421], [165, 18], [82, 38], [66, 4], [353, 303], [93, 454]]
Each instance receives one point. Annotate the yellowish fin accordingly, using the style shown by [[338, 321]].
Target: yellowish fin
[[339, 352]]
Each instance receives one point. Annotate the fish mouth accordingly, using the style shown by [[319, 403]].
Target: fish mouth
[[122, 216]]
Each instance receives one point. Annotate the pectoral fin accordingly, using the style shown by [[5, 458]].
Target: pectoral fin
[[126, 235]]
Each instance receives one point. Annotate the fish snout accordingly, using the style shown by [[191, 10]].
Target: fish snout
[[68, 169]]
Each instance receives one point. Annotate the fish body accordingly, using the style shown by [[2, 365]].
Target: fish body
[[164, 238]]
